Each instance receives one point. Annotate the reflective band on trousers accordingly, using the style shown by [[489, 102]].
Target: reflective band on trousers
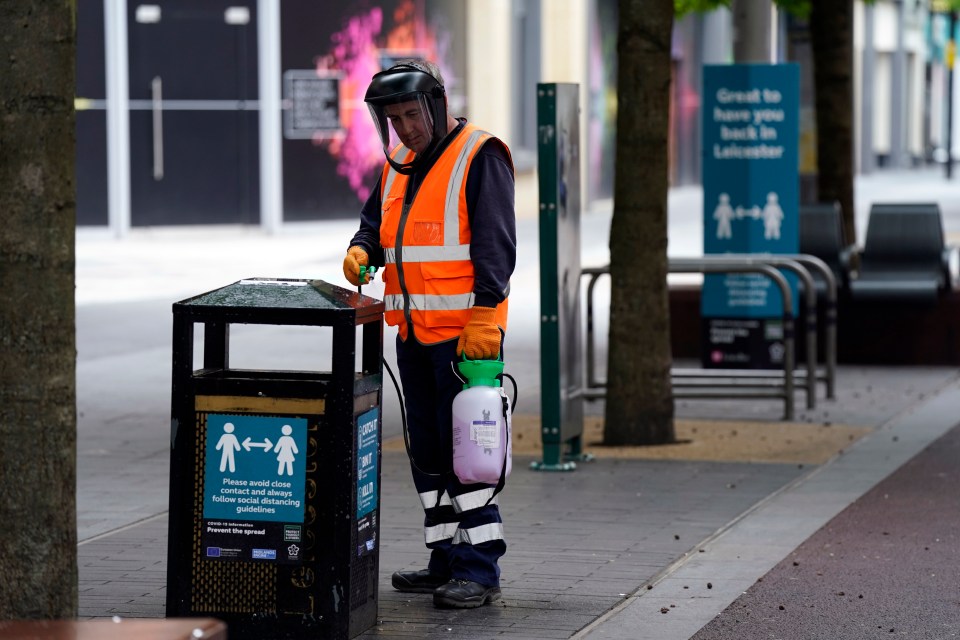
[[439, 532], [473, 500], [429, 302], [479, 535], [429, 499]]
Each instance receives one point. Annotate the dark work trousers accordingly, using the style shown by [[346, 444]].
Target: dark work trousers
[[463, 532]]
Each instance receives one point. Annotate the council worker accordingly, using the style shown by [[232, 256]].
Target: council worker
[[441, 222]]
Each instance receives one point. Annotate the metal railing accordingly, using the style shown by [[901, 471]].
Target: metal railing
[[797, 263], [829, 376], [724, 384]]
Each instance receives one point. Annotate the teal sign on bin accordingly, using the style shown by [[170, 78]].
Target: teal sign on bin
[[255, 468], [368, 444], [750, 180]]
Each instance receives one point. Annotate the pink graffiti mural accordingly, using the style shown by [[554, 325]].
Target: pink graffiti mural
[[364, 46]]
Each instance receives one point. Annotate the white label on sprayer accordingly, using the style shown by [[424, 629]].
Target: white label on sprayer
[[486, 433]]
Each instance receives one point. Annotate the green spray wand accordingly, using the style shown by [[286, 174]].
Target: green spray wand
[[364, 271]]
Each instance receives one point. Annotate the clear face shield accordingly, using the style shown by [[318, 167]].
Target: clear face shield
[[408, 122], [408, 106]]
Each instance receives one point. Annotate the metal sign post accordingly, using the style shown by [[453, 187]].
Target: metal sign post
[[561, 371]]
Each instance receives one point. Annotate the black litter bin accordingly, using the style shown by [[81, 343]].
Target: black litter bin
[[275, 475]]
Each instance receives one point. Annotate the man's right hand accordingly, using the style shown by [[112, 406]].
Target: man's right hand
[[356, 258]]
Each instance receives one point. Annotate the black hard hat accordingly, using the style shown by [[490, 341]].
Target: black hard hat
[[401, 83], [408, 81]]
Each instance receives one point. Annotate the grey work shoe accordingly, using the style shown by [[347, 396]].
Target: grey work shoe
[[464, 594], [422, 581]]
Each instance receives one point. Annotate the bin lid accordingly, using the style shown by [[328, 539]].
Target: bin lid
[[283, 294]]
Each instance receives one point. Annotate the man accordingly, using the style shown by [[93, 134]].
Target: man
[[441, 221]]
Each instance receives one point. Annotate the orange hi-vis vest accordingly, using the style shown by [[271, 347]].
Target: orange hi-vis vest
[[428, 276]]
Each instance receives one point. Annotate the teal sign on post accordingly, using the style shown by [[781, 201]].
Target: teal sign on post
[[750, 203]]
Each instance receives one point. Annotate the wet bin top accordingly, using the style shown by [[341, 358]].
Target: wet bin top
[[270, 296]]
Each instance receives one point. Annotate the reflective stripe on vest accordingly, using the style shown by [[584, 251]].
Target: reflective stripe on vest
[[426, 302], [429, 253], [392, 174]]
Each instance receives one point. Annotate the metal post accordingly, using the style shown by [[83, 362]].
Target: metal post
[[867, 157], [561, 376], [271, 138], [951, 56], [752, 31], [118, 117], [898, 93]]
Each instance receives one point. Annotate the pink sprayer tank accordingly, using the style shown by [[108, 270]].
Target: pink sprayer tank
[[481, 425]]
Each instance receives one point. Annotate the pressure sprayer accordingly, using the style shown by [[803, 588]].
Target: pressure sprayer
[[482, 447], [481, 425]]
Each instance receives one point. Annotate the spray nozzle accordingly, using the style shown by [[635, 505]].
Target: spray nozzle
[[480, 373], [365, 270]]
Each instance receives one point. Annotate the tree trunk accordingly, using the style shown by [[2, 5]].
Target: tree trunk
[[831, 40], [38, 547], [639, 406]]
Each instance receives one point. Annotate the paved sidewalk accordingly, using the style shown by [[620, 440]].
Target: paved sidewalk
[[586, 547], [617, 549]]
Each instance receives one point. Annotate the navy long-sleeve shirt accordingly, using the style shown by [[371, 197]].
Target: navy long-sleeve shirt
[[490, 209]]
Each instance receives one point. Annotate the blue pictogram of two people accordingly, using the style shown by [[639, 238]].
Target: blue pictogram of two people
[[286, 449]]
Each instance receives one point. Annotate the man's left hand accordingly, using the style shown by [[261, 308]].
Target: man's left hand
[[480, 339]]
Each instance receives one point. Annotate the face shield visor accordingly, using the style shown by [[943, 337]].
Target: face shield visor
[[408, 107], [409, 123]]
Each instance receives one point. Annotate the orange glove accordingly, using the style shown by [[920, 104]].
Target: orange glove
[[480, 339], [356, 258]]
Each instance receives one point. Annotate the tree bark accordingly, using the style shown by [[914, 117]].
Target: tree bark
[[831, 40], [639, 405], [38, 548]]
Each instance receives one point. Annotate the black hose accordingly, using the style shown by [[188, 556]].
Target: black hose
[[513, 407], [406, 433], [403, 417]]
